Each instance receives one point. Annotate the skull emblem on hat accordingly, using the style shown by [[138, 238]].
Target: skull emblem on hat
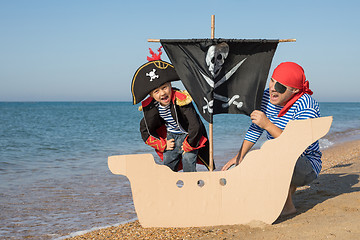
[[152, 75]]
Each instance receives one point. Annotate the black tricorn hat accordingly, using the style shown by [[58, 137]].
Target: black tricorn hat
[[150, 76]]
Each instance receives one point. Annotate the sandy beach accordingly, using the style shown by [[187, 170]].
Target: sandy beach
[[329, 208]]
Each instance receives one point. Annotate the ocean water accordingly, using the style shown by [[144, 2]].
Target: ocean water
[[54, 178]]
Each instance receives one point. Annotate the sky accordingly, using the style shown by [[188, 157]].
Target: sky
[[87, 50]]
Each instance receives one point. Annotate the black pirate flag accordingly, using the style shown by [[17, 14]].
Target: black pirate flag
[[222, 75]]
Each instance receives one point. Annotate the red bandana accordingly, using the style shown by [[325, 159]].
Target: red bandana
[[292, 75]]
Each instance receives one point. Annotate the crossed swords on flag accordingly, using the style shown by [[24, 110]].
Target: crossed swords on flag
[[227, 101]]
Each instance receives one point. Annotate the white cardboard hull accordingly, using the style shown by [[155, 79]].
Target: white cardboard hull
[[255, 190]]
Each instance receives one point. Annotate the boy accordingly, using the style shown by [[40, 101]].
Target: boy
[[170, 123]]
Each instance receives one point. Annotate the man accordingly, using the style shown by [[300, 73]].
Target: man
[[288, 98]]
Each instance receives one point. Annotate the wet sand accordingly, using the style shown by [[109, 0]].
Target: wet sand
[[329, 208]]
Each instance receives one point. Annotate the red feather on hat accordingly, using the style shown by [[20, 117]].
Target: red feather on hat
[[155, 56]]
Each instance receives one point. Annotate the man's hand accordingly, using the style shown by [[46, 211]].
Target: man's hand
[[170, 144], [229, 164], [260, 119]]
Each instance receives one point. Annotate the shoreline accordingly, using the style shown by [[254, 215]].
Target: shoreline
[[327, 208]]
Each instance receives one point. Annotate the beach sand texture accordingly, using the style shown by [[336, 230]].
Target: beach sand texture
[[327, 209]]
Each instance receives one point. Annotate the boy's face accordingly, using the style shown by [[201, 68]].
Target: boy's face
[[162, 94]]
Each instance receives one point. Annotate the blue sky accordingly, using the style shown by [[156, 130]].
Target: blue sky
[[86, 50]]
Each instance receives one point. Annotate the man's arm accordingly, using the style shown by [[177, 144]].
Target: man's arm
[[245, 148], [260, 119]]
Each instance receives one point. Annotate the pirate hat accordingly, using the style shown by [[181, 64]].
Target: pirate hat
[[150, 76]]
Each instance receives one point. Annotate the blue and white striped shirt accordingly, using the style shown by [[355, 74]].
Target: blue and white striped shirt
[[305, 107], [170, 123]]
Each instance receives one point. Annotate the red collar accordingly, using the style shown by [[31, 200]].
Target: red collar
[[178, 95], [146, 101]]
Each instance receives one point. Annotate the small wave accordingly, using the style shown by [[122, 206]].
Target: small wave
[[48, 149], [325, 143], [4, 163], [344, 135], [5, 167], [74, 234]]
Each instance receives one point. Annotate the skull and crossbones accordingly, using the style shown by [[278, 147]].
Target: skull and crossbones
[[152, 75], [215, 59]]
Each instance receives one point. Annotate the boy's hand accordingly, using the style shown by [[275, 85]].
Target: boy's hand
[[170, 144]]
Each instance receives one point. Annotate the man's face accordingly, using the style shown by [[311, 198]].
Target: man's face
[[280, 99], [162, 94]]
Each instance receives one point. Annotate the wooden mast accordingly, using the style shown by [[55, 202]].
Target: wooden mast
[[211, 140]]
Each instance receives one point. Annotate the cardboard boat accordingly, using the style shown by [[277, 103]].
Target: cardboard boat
[[255, 190]]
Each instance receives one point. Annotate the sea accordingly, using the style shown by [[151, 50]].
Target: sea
[[54, 177]]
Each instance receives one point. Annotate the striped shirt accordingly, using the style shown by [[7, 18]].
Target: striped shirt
[[305, 107], [170, 123]]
